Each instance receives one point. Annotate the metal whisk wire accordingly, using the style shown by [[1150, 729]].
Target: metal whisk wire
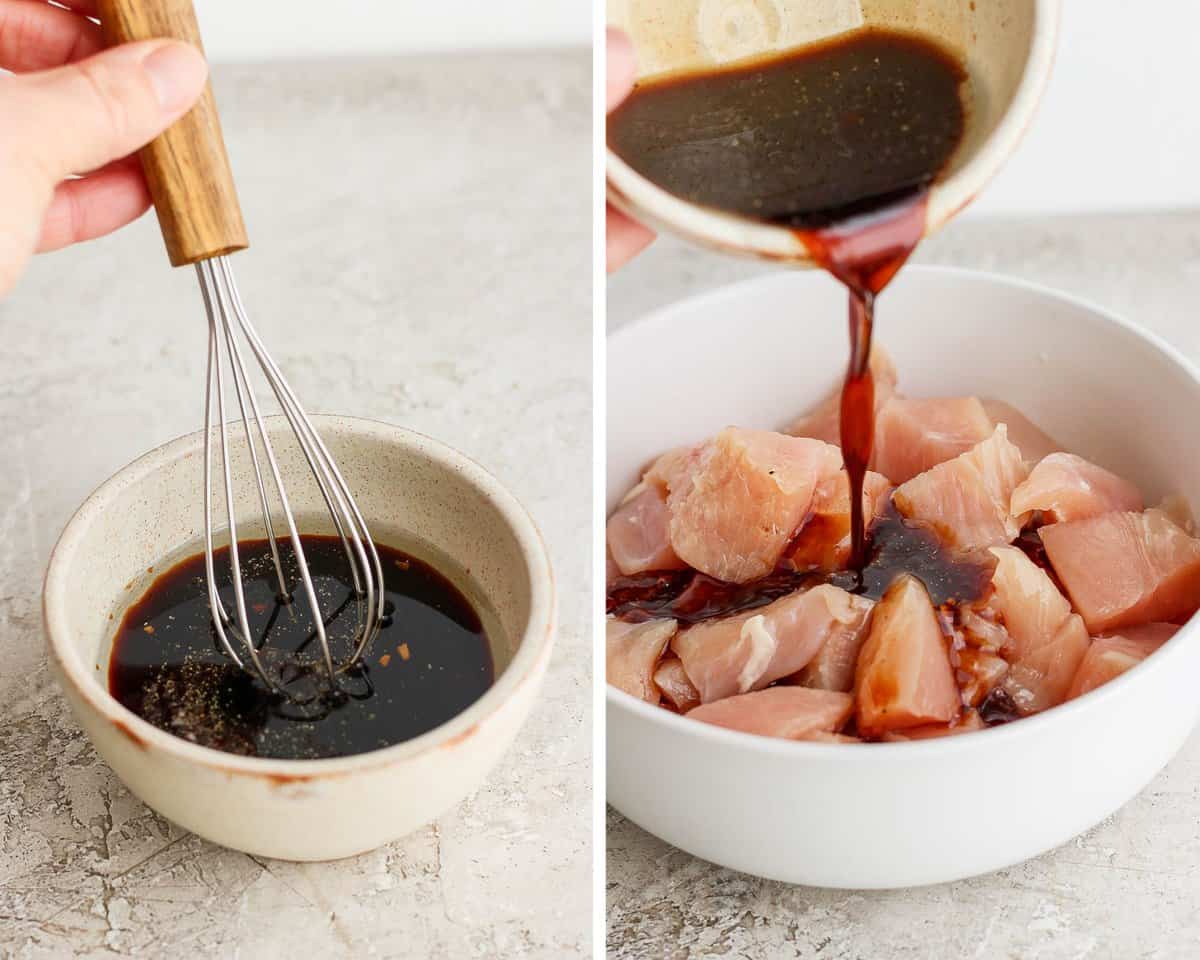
[[227, 320]]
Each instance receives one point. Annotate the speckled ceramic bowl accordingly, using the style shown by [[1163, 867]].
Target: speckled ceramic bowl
[[1006, 45], [416, 494]]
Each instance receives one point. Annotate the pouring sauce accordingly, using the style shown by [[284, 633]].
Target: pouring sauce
[[430, 660], [838, 141]]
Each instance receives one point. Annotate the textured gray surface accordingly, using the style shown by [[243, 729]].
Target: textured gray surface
[[1128, 888], [421, 255]]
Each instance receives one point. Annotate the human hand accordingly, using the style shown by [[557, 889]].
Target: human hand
[[625, 238], [72, 108]]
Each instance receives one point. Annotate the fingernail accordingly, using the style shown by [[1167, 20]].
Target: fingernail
[[620, 47], [176, 71]]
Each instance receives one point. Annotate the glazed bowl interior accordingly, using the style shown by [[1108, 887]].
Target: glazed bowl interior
[[757, 354], [1006, 47], [416, 495]]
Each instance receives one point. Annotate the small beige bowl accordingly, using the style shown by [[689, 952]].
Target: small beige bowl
[[416, 494], [1006, 45]]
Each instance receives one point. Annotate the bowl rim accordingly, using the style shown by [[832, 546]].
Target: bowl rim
[[1089, 704], [532, 647], [644, 200]]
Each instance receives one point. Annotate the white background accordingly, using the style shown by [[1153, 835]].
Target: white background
[[1119, 128]]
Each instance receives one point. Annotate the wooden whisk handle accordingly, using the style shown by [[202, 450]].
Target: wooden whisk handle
[[186, 167]]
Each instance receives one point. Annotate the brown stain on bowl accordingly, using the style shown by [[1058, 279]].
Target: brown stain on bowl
[[134, 738], [461, 737]]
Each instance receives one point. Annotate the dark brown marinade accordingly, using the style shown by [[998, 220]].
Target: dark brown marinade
[[429, 662]]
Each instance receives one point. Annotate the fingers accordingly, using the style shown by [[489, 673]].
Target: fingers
[[87, 114], [96, 205], [624, 238], [37, 36], [621, 67]]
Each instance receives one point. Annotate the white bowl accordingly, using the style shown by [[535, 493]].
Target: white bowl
[[416, 494], [1007, 47], [903, 814]]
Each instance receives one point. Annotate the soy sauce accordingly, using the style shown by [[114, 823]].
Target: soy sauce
[[430, 660], [838, 141]]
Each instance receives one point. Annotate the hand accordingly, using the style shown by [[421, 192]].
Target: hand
[[626, 238], [71, 109]]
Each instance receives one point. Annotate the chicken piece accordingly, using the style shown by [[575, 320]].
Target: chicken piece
[[631, 654], [823, 542], [966, 500], [824, 421], [794, 713], [1066, 487], [968, 722], [751, 650], [669, 468], [1033, 442], [672, 680], [743, 494], [911, 436], [1122, 569], [638, 539], [978, 673], [1109, 657], [1048, 640], [904, 678], [832, 668]]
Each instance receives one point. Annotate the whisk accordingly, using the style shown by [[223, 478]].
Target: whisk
[[194, 195]]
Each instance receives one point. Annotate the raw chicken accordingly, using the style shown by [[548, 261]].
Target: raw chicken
[[824, 421], [823, 542], [969, 721], [748, 651], [1122, 569], [795, 713], [913, 435], [1032, 441], [966, 500], [1048, 640], [672, 680], [833, 666], [1066, 487], [904, 678], [743, 494], [631, 653], [637, 532], [1109, 657], [669, 468]]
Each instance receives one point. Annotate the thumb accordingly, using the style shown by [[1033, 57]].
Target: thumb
[[82, 116]]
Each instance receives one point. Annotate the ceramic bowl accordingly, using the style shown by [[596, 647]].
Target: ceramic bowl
[[416, 494], [1007, 47], [902, 814]]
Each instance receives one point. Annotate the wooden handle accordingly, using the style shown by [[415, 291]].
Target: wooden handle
[[186, 167]]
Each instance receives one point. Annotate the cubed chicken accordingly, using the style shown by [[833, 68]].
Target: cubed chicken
[[1048, 640], [740, 499], [823, 542], [794, 713], [749, 651], [911, 436], [672, 681], [904, 678], [1033, 442], [966, 500], [638, 539], [968, 722], [1123, 569], [631, 655], [1066, 487], [1109, 657]]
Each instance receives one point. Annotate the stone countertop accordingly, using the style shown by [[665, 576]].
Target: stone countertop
[[1128, 888], [421, 255]]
